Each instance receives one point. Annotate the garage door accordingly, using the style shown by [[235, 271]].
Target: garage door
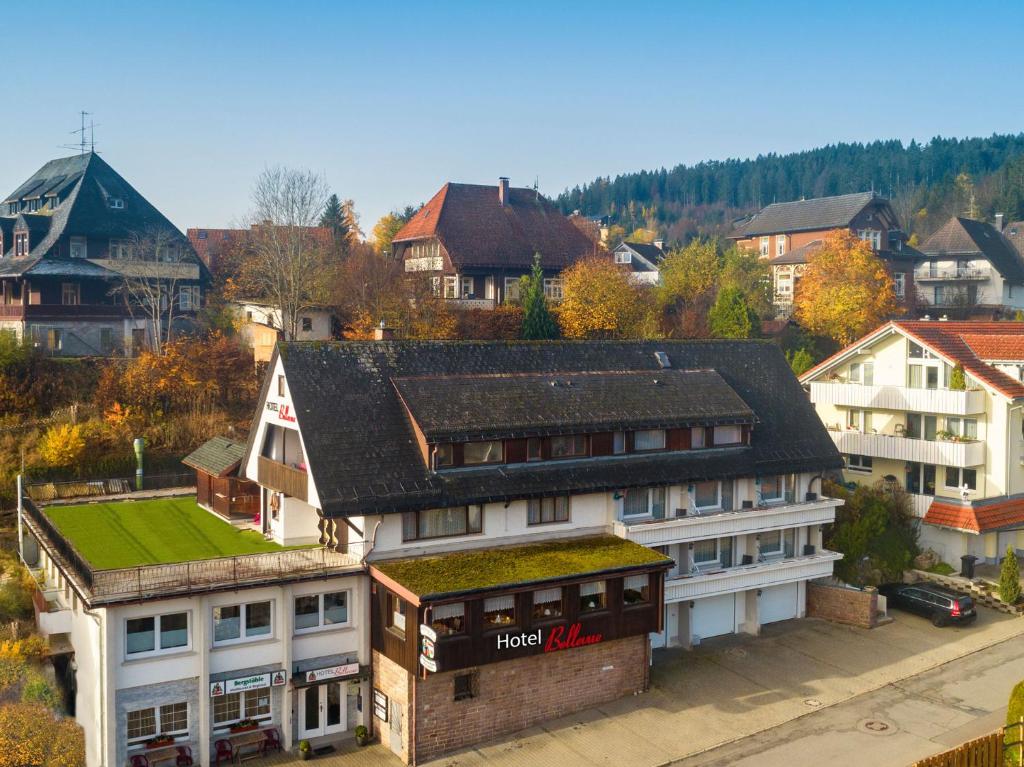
[[778, 603], [713, 616]]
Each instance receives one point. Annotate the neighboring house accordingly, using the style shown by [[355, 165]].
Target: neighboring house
[[263, 326], [215, 245], [786, 233], [642, 259], [67, 237], [514, 499], [888, 405], [475, 242], [971, 268]]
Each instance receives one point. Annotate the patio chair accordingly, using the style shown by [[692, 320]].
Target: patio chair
[[271, 741], [224, 751], [139, 760], [184, 758]]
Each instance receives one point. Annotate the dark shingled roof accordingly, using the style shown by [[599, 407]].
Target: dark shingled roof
[[461, 408], [219, 456], [364, 458], [806, 215], [649, 252], [967, 237], [477, 231]]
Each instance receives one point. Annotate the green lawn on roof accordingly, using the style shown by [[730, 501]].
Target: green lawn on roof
[[130, 533]]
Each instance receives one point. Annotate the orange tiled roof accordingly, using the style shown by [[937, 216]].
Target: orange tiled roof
[[980, 517], [1002, 347]]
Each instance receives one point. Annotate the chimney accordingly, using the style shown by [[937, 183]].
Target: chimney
[[383, 333], [503, 190], [999, 222]]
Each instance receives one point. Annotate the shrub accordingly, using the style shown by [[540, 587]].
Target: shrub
[[1015, 708], [32, 734], [800, 361], [957, 379], [38, 690], [1009, 578], [62, 445]]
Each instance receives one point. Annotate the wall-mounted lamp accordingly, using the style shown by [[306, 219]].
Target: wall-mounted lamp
[[759, 592], [692, 605]]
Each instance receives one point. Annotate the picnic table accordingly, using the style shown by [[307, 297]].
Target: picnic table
[[162, 754], [244, 739]]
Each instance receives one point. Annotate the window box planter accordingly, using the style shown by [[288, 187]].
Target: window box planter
[[244, 726], [159, 742]]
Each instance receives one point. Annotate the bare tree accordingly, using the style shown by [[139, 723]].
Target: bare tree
[[289, 262], [152, 264]]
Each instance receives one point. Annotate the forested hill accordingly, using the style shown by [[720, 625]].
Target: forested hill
[[927, 183]]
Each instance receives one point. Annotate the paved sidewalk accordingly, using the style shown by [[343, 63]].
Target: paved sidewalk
[[733, 688]]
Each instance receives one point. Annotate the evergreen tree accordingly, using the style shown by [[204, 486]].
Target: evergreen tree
[[800, 361], [333, 218], [538, 324], [731, 315], [1009, 578]]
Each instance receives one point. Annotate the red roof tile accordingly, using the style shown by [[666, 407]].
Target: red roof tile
[[996, 348], [477, 230], [978, 517]]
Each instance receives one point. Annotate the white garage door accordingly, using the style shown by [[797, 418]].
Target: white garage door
[[713, 616], [778, 603]]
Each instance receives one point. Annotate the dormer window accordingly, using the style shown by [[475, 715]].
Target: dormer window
[[443, 455], [21, 243], [649, 439], [623, 257], [568, 446], [116, 203]]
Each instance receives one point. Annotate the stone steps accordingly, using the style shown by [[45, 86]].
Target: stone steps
[[976, 588]]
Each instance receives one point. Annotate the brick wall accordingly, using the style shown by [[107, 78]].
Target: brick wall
[[842, 605], [395, 682], [517, 694]]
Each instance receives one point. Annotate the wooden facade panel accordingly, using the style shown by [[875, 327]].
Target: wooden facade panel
[[602, 444], [515, 451]]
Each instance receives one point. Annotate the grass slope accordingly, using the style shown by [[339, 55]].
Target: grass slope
[[130, 533]]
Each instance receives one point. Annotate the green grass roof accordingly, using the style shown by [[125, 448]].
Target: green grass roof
[[161, 531], [490, 568]]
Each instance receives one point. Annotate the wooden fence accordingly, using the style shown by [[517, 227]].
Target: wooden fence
[[1002, 748]]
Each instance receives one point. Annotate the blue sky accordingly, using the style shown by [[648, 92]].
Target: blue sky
[[391, 100]]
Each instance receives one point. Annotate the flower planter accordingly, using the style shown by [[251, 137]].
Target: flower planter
[[247, 728], [160, 743]]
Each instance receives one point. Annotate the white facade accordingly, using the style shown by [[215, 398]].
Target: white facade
[[959, 283], [313, 324]]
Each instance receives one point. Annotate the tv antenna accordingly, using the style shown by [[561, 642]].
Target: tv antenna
[[86, 142]]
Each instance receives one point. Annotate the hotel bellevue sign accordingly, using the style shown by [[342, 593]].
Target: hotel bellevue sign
[[558, 638]]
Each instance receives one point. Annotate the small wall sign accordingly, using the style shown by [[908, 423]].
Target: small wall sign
[[333, 672], [284, 413], [241, 684], [380, 705]]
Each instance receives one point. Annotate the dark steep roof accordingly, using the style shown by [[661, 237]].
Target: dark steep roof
[[463, 408], [477, 231], [363, 455], [649, 252], [967, 237], [806, 215], [219, 456]]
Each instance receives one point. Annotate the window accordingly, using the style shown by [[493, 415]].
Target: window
[[649, 439], [315, 611], [188, 298], [441, 523], [395, 615], [728, 435], [499, 611], [542, 511], [70, 293], [871, 236], [443, 455], [770, 543], [235, 706], [957, 478], [619, 442], [21, 244], [568, 446], [966, 428], [706, 495], [106, 339], [706, 553], [772, 488], [280, 386], [899, 284], [553, 288], [697, 434], [465, 686], [116, 203], [467, 287], [54, 339], [482, 452], [643, 502], [451, 285], [623, 257], [448, 619], [169, 719], [533, 449], [307, 324], [636, 589], [593, 596], [78, 247], [119, 249], [511, 289], [157, 633], [765, 245], [858, 420], [859, 463], [922, 426], [780, 245], [548, 603], [238, 622]]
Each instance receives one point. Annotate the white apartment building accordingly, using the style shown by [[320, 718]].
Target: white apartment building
[[897, 410]]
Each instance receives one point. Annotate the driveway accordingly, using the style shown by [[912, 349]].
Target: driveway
[[828, 678]]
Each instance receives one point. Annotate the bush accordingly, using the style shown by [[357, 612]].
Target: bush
[[1009, 578], [38, 690], [957, 379], [62, 445]]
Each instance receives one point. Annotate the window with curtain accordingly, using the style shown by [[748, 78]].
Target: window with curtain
[[481, 452], [395, 615], [705, 494], [728, 435], [772, 488], [233, 707], [649, 439], [705, 552], [697, 437], [569, 445], [441, 523], [547, 603], [448, 619], [499, 611], [593, 596], [636, 589], [542, 511]]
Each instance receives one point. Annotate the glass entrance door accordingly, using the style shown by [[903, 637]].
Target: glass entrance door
[[322, 710]]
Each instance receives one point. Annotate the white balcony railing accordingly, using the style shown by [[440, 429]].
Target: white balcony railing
[[939, 453], [664, 532], [903, 398], [952, 274], [757, 575]]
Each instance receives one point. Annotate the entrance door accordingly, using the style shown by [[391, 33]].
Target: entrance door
[[322, 710]]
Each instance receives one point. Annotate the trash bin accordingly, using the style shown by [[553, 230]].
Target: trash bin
[[967, 565]]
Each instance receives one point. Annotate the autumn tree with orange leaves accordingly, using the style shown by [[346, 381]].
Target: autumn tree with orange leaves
[[599, 301], [845, 290]]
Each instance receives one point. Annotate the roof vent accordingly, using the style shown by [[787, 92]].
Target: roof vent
[[663, 360], [926, 317], [944, 318]]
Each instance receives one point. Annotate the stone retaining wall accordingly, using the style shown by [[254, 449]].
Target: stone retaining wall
[[843, 605]]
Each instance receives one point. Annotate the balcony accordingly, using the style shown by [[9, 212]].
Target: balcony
[[754, 576], [284, 479], [901, 398], [470, 303], [61, 311], [664, 532], [953, 274], [52, 615], [939, 453]]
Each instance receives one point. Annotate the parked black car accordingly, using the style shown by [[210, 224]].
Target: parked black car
[[940, 605]]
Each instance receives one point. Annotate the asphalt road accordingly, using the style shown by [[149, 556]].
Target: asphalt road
[[892, 726]]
